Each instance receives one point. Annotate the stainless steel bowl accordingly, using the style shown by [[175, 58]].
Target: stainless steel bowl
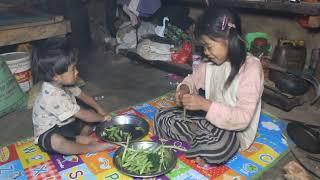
[[126, 123], [172, 160]]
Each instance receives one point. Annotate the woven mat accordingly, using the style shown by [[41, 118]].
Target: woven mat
[[24, 160]]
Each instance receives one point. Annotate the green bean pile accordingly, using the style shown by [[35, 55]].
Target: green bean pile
[[144, 161], [115, 134]]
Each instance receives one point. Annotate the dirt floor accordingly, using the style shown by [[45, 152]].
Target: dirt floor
[[123, 83]]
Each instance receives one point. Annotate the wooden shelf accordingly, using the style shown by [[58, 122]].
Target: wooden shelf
[[20, 27], [283, 6], [34, 32], [286, 6]]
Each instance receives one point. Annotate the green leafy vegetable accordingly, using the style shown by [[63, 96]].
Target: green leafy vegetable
[[138, 128], [144, 161], [115, 134]]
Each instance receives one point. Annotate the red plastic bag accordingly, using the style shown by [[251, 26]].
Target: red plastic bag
[[183, 55]]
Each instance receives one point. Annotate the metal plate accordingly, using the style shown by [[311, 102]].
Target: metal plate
[[126, 123], [150, 146]]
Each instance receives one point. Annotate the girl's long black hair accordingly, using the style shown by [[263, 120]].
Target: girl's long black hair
[[222, 23]]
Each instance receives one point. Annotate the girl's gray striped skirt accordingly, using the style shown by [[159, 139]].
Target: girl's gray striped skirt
[[212, 144]]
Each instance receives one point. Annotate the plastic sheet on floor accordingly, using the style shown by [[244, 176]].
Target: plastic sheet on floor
[[24, 159]]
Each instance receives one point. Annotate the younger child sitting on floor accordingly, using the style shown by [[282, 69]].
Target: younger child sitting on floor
[[56, 128]]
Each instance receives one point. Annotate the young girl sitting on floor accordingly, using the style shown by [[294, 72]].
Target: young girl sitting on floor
[[56, 128], [233, 84]]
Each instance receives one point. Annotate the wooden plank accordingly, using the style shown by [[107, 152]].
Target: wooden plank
[[304, 8], [12, 17], [31, 33], [54, 19]]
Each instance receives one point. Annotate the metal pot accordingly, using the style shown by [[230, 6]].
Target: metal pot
[[305, 136], [292, 85]]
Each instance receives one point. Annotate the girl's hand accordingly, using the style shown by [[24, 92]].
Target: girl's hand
[[179, 94], [195, 102]]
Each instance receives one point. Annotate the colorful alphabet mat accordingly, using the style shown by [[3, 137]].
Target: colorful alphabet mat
[[24, 160]]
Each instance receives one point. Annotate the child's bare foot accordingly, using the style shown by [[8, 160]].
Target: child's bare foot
[[201, 162], [86, 140], [86, 130], [64, 146], [102, 146]]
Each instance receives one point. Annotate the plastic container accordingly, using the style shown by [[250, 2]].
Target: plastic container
[[20, 65]]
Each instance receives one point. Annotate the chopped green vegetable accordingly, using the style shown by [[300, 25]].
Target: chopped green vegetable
[[115, 134], [138, 128], [144, 161]]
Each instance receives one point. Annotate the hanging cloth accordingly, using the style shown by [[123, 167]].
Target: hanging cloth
[[133, 6], [147, 8]]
